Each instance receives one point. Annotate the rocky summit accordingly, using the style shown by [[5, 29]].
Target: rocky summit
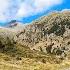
[[43, 44]]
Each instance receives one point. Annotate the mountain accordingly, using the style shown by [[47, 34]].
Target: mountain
[[42, 45], [52, 30]]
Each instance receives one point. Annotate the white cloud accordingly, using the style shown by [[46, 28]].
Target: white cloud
[[65, 10], [24, 10], [10, 9], [35, 6], [3, 6], [40, 4]]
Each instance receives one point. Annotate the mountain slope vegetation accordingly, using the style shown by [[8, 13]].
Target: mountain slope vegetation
[[42, 45]]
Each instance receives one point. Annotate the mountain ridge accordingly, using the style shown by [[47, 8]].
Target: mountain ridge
[[45, 41]]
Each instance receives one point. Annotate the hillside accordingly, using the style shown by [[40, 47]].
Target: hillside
[[52, 30], [42, 45]]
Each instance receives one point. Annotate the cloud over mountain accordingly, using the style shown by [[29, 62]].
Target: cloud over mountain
[[11, 9]]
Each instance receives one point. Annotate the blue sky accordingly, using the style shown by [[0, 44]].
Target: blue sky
[[26, 11]]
